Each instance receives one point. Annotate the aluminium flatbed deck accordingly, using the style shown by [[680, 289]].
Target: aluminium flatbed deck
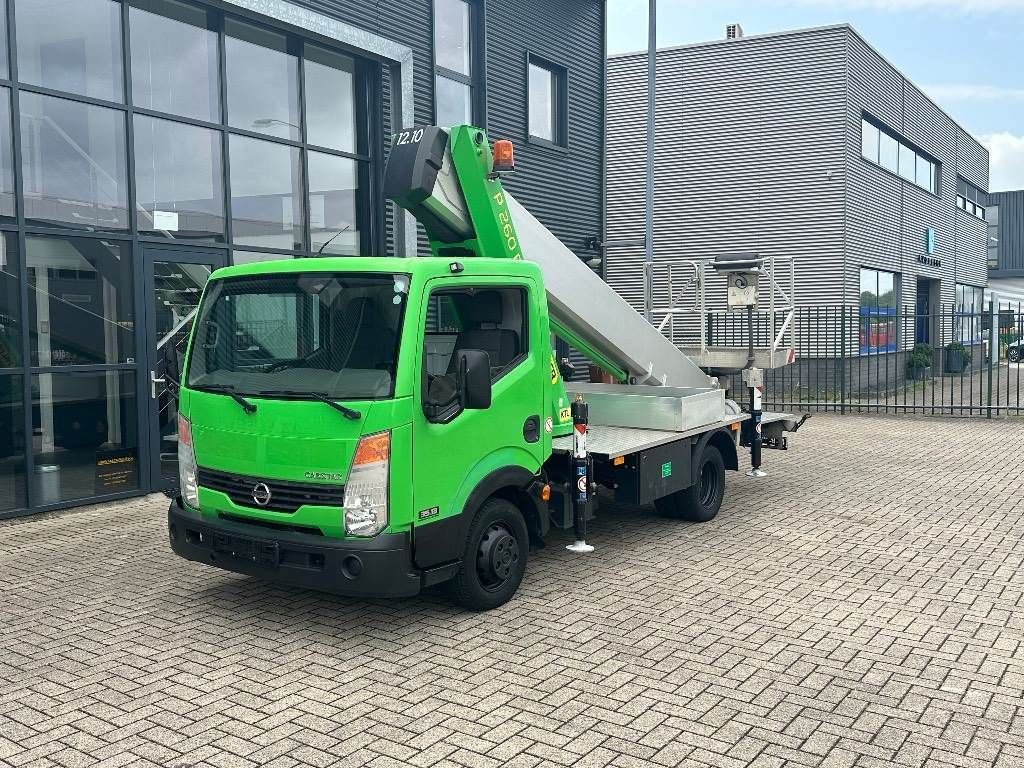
[[621, 441]]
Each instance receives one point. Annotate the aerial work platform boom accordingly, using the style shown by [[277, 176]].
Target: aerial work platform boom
[[447, 182], [588, 312]]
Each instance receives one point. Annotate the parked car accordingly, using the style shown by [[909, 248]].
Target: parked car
[[1015, 350]]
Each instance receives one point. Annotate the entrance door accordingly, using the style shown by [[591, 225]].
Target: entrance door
[[174, 281], [923, 324]]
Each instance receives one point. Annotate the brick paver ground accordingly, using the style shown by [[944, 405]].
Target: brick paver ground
[[862, 606]]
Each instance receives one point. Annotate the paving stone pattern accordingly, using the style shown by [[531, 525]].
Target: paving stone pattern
[[862, 606]]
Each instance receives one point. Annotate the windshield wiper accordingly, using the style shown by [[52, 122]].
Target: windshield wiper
[[349, 413], [224, 389]]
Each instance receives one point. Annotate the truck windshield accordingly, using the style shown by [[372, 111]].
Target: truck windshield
[[333, 334]]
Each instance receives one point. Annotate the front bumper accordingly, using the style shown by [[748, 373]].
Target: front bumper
[[377, 567]]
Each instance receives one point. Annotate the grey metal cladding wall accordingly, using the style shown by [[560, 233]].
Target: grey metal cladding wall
[[1011, 228], [887, 216], [624, 168], [561, 187], [747, 131]]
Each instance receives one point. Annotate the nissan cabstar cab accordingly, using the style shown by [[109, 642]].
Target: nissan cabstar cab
[[339, 416]]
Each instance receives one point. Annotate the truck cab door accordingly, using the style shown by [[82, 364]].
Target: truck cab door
[[454, 448]]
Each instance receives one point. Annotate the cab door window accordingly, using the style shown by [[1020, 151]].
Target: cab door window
[[493, 320]]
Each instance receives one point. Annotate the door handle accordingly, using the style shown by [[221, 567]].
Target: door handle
[[153, 381]]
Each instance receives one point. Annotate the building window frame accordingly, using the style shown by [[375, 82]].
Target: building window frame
[[971, 199], [476, 79], [903, 148], [879, 326], [560, 102], [970, 307]]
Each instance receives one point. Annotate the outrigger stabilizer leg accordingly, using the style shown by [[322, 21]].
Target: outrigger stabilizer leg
[[581, 467]]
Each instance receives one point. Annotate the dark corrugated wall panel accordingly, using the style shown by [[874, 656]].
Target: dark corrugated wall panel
[[1011, 228]]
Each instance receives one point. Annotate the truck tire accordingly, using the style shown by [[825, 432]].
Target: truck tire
[[1014, 355], [701, 501], [494, 560]]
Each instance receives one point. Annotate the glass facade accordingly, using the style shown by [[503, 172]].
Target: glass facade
[[142, 143]]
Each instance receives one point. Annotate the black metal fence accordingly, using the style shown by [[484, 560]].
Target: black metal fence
[[949, 361]]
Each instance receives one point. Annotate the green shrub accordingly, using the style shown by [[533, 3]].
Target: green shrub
[[922, 356]]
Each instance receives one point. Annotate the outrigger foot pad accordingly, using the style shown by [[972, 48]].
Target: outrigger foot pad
[[580, 547], [757, 473]]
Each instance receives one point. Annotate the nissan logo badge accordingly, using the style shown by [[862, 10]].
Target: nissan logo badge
[[261, 494]]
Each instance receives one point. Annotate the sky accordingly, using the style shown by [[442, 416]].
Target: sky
[[967, 55]]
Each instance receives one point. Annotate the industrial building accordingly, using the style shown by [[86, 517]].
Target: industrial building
[[144, 143], [1005, 216], [806, 144]]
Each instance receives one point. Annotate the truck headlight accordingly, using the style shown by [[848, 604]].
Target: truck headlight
[[366, 492], [187, 483]]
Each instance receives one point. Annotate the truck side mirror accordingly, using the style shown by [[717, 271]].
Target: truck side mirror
[[474, 367]]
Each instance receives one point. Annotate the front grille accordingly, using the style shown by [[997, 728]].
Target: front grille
[[285, 496]]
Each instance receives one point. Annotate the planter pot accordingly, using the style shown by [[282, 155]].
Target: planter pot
[[956, 362], [919, 374]]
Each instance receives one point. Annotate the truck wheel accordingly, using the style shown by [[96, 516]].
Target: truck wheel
[[1014, 355], [494, 561], [701, 501]]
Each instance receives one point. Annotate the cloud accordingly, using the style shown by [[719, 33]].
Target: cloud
[[965, 92], [1006, 160]]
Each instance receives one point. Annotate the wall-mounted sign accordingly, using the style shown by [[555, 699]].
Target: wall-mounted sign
[[929, 241], [116, 470], [929, 261]]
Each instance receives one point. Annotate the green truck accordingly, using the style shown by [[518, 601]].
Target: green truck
[[375, 426]]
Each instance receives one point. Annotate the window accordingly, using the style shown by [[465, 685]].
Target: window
[[266, 194], [262, 81], [882, 146], [970, 198], [10, 303], [85, 434], [6, 156], [73, 159], [992, 216], [970, 309], [333, 189], [489, 319], [454, 64], [5, 70], [174, 59], [12, 443], [71, 46], [178, 179], [547, 102], [316, 332], [80, 301], [330, 99], [869, 141], [878, 310]]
